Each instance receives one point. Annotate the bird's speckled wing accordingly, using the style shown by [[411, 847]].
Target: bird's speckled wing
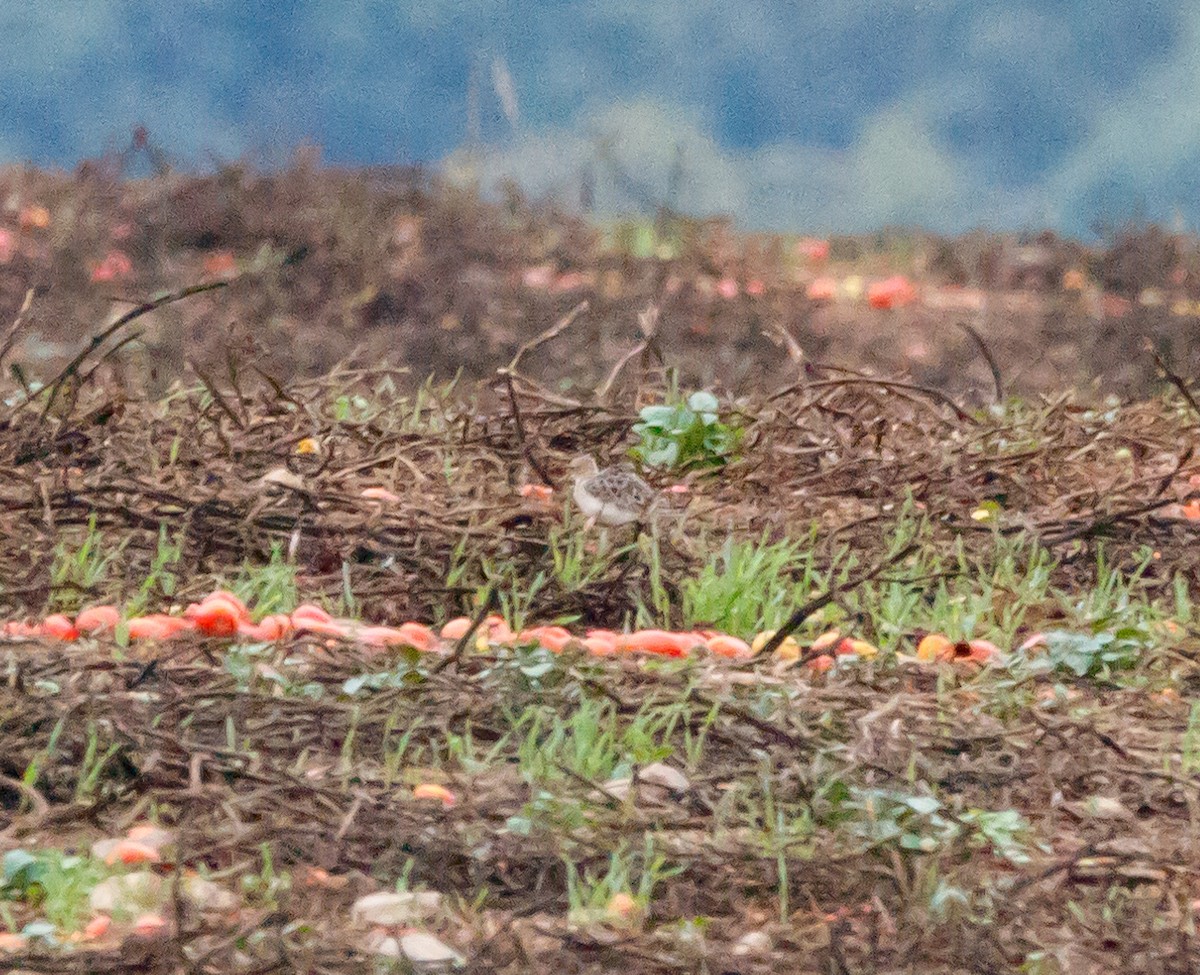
[[621, 487]]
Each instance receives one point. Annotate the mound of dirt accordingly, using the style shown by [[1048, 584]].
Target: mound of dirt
[[328, 266]]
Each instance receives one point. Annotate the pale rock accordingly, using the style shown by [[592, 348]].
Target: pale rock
[[284, 478], [662, 774], [383, 945], [1099, 807], [656, 783], [615, 789], [427, 953], [753, 943], [150, 927], [388, 909], [128, 894], [205, 895], [152, 836], [102, 849]]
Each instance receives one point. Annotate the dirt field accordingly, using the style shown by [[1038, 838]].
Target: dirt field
[[328, 267], [1018, 797]]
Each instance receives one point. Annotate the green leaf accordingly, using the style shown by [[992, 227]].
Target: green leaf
[[660, 416], [536, 671], [643, 241], [664, 456], [922, 804], [39, 929], [352, 685], [684, 435], [16, 863], [945, 895]]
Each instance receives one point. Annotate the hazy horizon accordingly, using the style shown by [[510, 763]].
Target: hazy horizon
[[844, 117]]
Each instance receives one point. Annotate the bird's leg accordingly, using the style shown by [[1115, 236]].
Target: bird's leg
[[588, 525], [681, 541], [677, 536]]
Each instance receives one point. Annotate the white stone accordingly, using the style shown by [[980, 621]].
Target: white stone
[[390, 909], [101, 849], [753, 943], [427, 953], [383, 945], [206, 895], [661, 774], [128, 894], [615, 789]]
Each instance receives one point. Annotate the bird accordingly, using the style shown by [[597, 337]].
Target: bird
[[612, 497]]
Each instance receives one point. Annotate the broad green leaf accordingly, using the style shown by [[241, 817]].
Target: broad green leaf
[[658, 415], [15, 862], [922, 804]]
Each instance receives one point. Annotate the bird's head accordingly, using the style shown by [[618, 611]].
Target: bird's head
[[582, 466]]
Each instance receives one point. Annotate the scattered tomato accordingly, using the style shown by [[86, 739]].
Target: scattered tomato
[[220, 264], [97, 927], [217, 615], [553, 638], [812, 249], [729, 646], [847, 647], [59, 627], [11, 943], [430, 790], [603, 643], [129, 851], [157, 626], [727, 288], [541, 493], [268, 629], [789, 649], [980, 651], [97, 618], [653, 641], [891, 293], [33, 217], [935, 647], [308, 613], [822, 289], [381, 494], [408, 635], [456, 628], [622, 906], [1073, 280], [150, 926], [115, 266]]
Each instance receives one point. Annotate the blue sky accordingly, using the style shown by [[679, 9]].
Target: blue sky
[[822, 117]]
